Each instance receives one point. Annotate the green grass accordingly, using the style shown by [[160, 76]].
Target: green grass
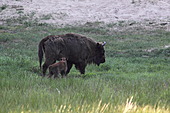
[[132, 80]]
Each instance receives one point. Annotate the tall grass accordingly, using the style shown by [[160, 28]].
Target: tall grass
[[131, 80]]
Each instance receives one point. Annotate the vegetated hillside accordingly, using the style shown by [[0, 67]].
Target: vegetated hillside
[[134, 78]]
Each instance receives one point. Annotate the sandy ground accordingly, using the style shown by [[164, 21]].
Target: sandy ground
[[82, 11]]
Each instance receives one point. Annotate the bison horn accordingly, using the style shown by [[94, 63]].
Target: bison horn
[[104, 43]]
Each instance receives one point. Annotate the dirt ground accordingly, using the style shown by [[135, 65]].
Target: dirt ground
[[155, 13]]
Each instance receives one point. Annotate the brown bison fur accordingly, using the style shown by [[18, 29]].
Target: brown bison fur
[[78, 49], [58, 68]]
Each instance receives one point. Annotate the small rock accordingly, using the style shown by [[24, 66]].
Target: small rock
[[162, 24]]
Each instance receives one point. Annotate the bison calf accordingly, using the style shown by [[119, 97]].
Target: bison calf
[[58, 68]]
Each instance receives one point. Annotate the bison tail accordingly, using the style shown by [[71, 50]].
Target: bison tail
[[40, 52]]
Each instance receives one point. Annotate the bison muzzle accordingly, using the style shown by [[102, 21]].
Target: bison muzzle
[[79, 50]]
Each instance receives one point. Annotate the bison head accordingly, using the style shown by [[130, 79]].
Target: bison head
[[100, 53]]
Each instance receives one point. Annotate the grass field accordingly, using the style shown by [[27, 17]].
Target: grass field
[[133, 79]]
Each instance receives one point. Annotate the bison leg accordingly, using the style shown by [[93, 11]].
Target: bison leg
[[81, 67], [69, 66], [46, 64]]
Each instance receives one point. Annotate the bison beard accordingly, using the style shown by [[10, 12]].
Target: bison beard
[[79, 50]]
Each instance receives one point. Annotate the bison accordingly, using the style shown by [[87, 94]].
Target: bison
[[79, 50], [58, 68]]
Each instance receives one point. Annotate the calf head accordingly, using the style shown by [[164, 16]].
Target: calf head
[[63, 59]]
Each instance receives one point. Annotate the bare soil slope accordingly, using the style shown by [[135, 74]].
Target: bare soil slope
[[81, 11]]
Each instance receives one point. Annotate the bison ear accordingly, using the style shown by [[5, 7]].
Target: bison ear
[[101, 43], [98, 45]]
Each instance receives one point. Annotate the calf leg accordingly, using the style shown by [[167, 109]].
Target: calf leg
[[56, 73], [50, 73], [63, 73]]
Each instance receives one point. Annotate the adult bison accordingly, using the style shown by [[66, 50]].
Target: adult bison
[[78, 49]]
